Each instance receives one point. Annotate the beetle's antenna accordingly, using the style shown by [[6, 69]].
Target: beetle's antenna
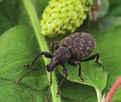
[[29, 72]]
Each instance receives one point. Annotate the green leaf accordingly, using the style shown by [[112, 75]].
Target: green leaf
[[91, 74], [115, 8], [112, 17], [13, 13], [7, 16], [72, 91], [111, 56], [19, 46], [108, 45], [104, 8], [107, 22]]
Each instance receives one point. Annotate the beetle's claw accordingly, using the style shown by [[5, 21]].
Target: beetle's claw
[[58, 93], [81, 78], [27, 65], [18, 81], [100, 64]]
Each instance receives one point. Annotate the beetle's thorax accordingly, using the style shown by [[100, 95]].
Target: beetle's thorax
[[60, 57], [62, 54]]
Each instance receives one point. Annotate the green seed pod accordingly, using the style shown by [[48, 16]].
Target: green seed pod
[[62, 16]]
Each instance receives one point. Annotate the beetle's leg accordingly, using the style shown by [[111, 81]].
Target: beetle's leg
[[65, 70], [29, 72], [49, 86], [75, 63], [55, 44], [46, 54], [96, 55]]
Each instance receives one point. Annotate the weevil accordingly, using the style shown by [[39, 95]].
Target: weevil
[[73, 49]]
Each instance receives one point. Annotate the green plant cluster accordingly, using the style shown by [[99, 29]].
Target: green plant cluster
[[62, 16]]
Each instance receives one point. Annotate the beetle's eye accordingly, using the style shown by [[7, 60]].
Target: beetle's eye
[[47, 66]]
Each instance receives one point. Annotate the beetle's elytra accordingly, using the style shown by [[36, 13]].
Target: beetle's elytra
[[73, 49]]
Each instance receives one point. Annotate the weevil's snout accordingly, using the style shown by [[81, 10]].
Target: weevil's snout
[[50, 67]]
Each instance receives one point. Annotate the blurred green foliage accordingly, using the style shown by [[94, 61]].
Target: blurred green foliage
[[19, 45]]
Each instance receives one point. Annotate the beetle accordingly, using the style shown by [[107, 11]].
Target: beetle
[[73, 49]]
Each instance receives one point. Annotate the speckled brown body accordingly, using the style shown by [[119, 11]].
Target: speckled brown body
[[76, 47], [80, 45]]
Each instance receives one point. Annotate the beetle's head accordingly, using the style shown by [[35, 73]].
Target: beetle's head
[[53, 63]]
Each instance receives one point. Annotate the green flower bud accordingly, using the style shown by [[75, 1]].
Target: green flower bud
[[62, 16]]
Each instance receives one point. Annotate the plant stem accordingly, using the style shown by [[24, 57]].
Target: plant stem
[[42, 44], [98, 95], [113, 90]]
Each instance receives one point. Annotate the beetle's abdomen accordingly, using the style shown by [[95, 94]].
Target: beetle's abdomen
[[80, 45]]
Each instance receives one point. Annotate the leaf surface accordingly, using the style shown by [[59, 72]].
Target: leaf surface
[[18, 46], [108, 45]]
